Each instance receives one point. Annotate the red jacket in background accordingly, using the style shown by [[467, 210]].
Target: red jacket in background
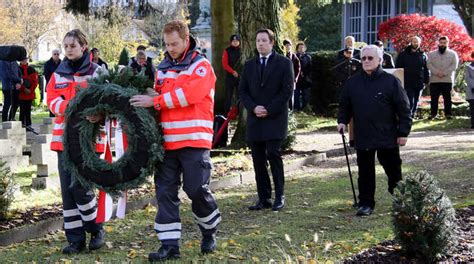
[[30, 78]]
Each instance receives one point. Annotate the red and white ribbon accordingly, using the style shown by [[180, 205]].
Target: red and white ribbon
[[105, 203], [120, 148]]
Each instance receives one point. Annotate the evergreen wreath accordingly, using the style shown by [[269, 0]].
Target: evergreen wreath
[[108, 95]]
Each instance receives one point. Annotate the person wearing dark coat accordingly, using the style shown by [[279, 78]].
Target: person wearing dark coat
[[349, 43], [141, 62], [231, 64], [11, 82], [149, 60], [296, 67], [416, 73], [49, 68], [381, 112], [347, 68], [303, 85], [265, 89], [51, 65], [387, 58], [97, 60]]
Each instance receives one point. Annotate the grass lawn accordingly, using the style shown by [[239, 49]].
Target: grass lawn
[[308, 123], [26, 197], [317, 203]]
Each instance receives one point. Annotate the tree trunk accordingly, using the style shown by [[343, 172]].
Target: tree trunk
[[222, 12], [465, 10], [252, 15]]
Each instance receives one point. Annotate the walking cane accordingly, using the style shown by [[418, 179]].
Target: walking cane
[[355, 205]]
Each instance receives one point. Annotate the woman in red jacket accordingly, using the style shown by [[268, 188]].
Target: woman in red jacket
[[79, 203], [27, 92]]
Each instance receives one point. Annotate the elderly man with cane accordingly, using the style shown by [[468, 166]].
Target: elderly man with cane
[[381, 112]]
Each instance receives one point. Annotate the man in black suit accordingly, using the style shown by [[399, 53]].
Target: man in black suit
[[265, 89]]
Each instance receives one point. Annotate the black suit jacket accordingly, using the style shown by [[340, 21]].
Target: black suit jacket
[[273, 91]]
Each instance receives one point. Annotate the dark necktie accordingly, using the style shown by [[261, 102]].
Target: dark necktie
[[262, 66]]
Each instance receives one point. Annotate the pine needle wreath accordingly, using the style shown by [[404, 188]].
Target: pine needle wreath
[[108, 95]]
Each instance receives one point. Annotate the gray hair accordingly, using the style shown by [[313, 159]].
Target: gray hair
[[373, 47], [349, 37], [55, 51]]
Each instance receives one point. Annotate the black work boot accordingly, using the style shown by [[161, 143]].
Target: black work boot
[[74, 247], [97, 240], [165, 252], [208, 244]]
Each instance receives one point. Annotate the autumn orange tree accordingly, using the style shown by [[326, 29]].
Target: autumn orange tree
[[399, 29]]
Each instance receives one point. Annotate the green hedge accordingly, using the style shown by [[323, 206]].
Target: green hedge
[[324, 91]]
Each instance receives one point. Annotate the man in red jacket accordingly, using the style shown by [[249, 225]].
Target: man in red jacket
[[184, 98]]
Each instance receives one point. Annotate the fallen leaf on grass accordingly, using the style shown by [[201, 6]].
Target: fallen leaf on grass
[[132, 254], [109, 244], [109, 229]]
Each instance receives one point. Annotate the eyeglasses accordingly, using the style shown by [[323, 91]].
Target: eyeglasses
[[55, 53], [369, 58]]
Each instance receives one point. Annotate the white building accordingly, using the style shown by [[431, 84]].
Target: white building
[[361, 18]]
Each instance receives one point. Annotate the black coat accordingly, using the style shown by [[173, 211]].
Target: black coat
[[49, 67], [273, 92], [344, 70], [380, 109], [137, 68], [305, 78], [415, 70], [387, 61], [340, 55]]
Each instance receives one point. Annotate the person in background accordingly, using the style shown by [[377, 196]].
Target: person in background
[[149, 60], [349, 42], [11, 83], [96, 58], [303, 85], [416, 74], [442, 64], [49, 67], [379, 106], [387, 58], [231, 64], [27, 92], [347, 68], [296, 66], [141, 63], [469, 76]]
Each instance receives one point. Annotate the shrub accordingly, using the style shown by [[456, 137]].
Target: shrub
[[6, 189], [398, 29], [124, 57], [324, 91], [291, 138], [423, 217]]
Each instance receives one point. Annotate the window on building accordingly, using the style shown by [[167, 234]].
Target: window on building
[[378, 11], [355, 20], [412, 6]]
